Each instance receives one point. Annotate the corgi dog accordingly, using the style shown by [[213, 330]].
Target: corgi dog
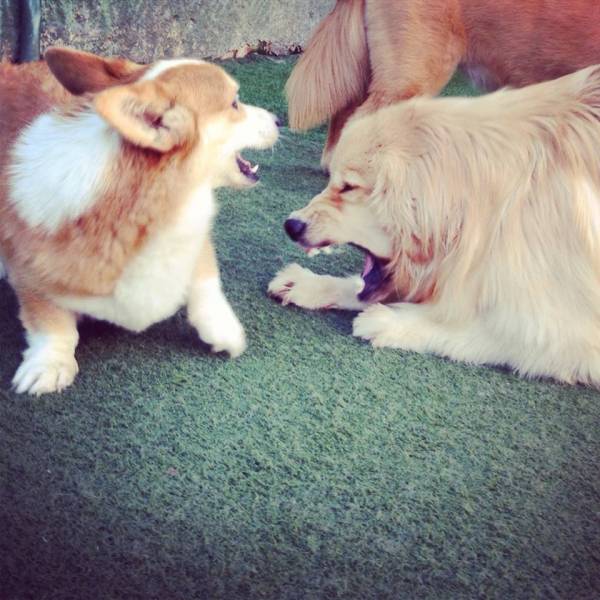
[[107, 172]]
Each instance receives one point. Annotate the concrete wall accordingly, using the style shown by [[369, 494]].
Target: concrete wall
[[8, 28], [147, 30]]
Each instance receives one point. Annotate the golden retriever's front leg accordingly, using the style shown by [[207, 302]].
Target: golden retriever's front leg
[[401, 325], [209, 311], [414, 327], [49, 363], [300, 286]]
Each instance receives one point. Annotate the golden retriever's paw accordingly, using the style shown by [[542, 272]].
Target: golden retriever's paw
[[222, 331], [379, 325], [41, 373], [296, 285]]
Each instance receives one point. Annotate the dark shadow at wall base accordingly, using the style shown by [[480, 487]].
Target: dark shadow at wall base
[[29, 30]]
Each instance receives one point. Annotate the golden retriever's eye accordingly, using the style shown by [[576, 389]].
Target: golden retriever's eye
[[234, 104], [347, 187]]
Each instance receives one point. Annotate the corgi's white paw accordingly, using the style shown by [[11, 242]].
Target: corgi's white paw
[[215, 321], [44, 372], [222, 331]]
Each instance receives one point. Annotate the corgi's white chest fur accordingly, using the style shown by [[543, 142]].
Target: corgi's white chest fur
[[155, 284]]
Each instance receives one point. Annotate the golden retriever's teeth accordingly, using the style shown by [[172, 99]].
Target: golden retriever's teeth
[[310, 252], [254, 169]]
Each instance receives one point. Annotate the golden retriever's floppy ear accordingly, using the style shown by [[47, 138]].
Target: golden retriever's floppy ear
[[144, 114], [390, 175], [81, 72], [392, 193]]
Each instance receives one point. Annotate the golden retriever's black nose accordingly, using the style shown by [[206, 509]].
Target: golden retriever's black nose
[[294, 228]]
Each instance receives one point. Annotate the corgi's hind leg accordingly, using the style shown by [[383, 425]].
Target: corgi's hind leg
[[48, 363]]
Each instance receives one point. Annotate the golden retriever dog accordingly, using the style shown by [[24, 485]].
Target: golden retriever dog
[[371, 53], [107, 172], [480, 222]]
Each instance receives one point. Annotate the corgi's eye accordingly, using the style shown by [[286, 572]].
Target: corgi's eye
[[234, 104], [347, 187]]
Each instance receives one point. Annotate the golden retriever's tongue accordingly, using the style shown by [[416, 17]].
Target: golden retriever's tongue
[[369, 264], [373, 275]]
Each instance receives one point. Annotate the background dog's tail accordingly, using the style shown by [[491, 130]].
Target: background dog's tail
[[334, 69]]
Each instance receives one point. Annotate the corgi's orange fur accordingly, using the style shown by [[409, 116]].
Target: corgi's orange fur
[[106, 177]]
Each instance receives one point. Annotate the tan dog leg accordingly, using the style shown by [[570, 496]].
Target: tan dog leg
[[49, 363], [208, 309], [414, 48], [300, 286]]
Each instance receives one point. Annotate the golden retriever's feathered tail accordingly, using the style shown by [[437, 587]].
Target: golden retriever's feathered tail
[[334, 69]]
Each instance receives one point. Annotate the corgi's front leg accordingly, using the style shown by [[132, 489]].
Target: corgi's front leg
[[49, 363], [209, 311]]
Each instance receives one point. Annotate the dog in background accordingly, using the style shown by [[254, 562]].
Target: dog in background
[[371, 53], [480, 222], [107, 172]]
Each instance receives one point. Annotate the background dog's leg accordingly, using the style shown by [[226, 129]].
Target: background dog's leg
[[414, 48], [412, 327], [49, 363], [300, 286], [208, 309]]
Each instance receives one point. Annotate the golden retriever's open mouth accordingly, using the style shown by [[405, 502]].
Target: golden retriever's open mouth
[[374, 274], [247, 169]]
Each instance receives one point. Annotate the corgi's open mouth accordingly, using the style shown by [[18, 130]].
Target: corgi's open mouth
[[247, 169]]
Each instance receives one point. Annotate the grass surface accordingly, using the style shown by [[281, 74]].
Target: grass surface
[[311, 467]]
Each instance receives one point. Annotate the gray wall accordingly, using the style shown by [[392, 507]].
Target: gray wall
[[148, 30], [8, 28]]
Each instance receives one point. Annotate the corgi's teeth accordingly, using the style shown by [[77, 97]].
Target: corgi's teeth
[[313, 252], [254, 168]]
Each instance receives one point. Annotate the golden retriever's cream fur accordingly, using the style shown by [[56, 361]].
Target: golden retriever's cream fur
[[483, 228]]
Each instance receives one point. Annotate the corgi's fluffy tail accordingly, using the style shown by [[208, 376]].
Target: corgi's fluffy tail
[[334, 69]]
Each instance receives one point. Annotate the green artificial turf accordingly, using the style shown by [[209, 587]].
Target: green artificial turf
[[311, 467]]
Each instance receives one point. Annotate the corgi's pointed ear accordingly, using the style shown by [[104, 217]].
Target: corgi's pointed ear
[[81, 72], [145, 115]]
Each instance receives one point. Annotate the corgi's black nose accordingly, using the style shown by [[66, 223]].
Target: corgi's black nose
[[294, 228], [278, 121]]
